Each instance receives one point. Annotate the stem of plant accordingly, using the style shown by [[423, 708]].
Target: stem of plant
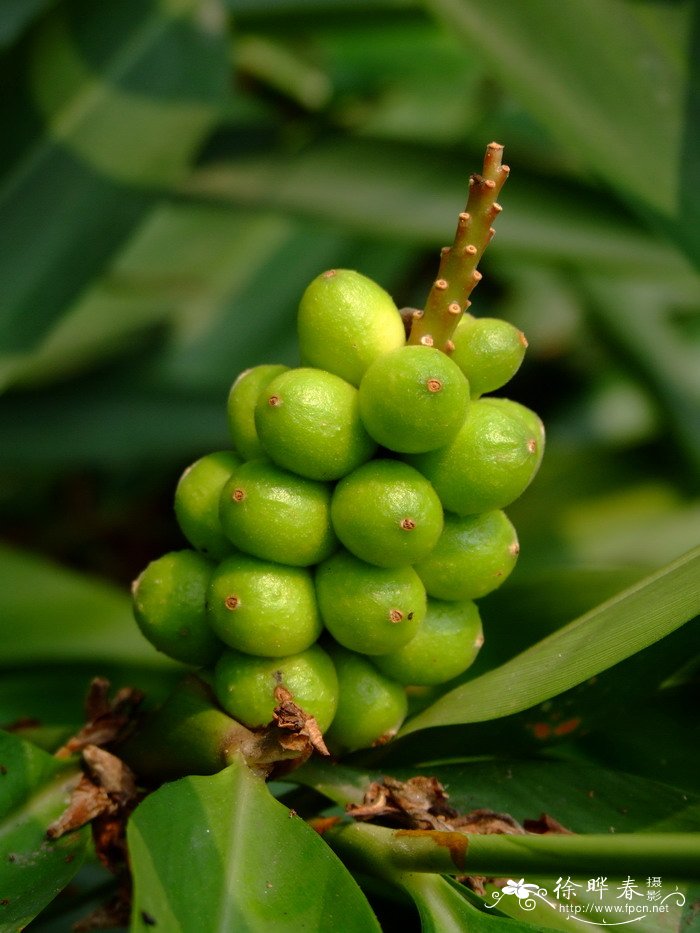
[[457, 274], [369, 847]]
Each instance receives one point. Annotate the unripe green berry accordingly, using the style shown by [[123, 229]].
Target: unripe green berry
[[245, 685], [242, 399], [413, 399], [309, 422], [277, 515], [386, 513], [371, 707], [263, 608], [490, 462], [345, 321], [488, 351], [475, 555], [169, 600], [445, 645], [369, 609], [197, 502]]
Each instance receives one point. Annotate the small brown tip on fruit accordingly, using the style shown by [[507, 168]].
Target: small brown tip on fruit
[[395, 615], [274, 401], [514, 549], [470, 250], [329, 274], [523, 339], [532, 445], [441, 284], [449, 346], [427, 340], [454, 308], [434, 385], [238, 495], [408, 524], [231, 603]]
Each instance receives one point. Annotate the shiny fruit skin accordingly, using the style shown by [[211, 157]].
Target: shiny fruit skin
[[245, 685], [277, 515], [345, 322], [445, 645], [309, 422], [368, 609], [197, 502], [240, 406], [262, 608], [371, 706], [169, 601]]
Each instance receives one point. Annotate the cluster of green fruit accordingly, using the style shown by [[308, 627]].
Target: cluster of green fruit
[[361, 506]]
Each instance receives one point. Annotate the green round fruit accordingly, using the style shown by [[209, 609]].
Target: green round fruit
[[475, 554], [197, 502], [242, 399], [346, 321], [488, 351], [169, 600], [413, 399], [263, 608], [309, 422], [371, 707], [245, 686], [369, 609], [277, 515], [386, 513], [446, 644], [490, 463]]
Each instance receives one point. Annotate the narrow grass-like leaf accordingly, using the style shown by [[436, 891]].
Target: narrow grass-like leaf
[[627, 623], [220, 853], [33, 790]]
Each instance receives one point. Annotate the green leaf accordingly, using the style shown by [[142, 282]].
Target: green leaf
[[625, 624], [33, 789], [610, 79], [220, 853], [444, 909], [111, 122], [54, 615]]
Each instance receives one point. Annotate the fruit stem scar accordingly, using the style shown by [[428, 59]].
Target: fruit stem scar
[[395, 615], [532, 445], [408, 524], [231, 602], [274, 401], [434, 385], [238, 495]]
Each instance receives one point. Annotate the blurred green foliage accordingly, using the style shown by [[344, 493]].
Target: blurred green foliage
[[176, 171]]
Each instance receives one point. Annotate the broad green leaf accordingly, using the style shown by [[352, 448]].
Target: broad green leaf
[[221, 854], [625, 624], [33, 869], [110, 123], [610, 79], [53, 615]]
